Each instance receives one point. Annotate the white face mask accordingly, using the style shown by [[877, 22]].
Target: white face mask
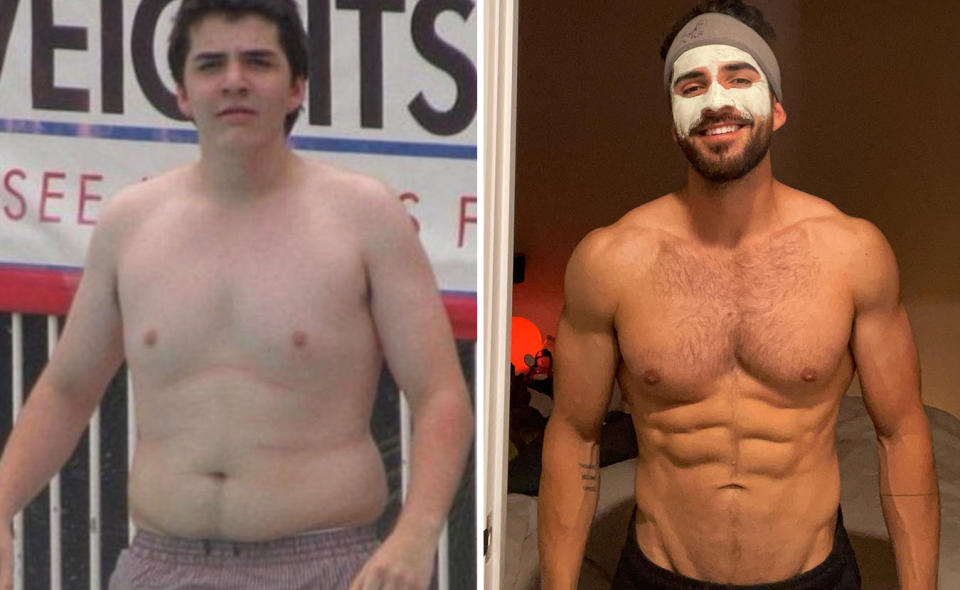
[[751, 102]]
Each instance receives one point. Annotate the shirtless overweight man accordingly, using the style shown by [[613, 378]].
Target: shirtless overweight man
[[254, 296], [733, 313]]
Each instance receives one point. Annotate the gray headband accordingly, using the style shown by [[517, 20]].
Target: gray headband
[[714, 28]]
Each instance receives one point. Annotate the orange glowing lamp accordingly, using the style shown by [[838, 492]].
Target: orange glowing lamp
[[525, 339]]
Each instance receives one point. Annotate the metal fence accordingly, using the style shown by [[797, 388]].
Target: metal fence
[[119, 400]]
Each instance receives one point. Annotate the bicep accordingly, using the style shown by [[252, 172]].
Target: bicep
[[888, 367], [586, 362], [882, 341], [586, 351], [91, 346], [408, 313]]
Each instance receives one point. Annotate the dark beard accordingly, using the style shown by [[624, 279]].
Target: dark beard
[[725, 169]]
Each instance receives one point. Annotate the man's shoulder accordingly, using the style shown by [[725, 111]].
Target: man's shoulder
[[852, 245], [860, 249], [610, 256], [837, 232], [351, 187], [636, 236], [136, 202], [358, 200], [362, 205]]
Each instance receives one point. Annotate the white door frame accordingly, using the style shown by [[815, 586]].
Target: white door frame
[[499, 70]]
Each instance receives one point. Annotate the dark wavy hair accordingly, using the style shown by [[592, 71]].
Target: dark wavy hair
[[283, 13], [748, 15]]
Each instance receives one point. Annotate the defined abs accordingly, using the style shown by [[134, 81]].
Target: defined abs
[[750, 530]]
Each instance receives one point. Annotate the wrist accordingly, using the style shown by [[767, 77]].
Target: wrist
[[422, 528], [557, 582]]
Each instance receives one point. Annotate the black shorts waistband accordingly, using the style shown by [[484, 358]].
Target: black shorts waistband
[[839, 571]]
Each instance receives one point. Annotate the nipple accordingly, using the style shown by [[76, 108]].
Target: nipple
[[299, 339], [809, 375], [150, 338], [651, 376]]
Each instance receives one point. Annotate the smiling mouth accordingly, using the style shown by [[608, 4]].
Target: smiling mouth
[[720, 130], [714, 130]]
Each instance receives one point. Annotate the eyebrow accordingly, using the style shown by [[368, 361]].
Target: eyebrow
[[247, 54], [688, 76], [259, 53], [740, 65]]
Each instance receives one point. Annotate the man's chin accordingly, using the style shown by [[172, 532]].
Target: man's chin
[[727, 162], [723, 168]]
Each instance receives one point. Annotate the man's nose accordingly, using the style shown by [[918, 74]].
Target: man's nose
[[234, 78], [717, 98]]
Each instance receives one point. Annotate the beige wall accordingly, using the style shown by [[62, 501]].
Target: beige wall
[[873, 104]]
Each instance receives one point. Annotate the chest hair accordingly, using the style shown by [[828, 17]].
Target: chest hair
[[737, 305]]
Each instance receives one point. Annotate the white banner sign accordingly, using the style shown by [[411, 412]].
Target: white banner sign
[[86, 107]]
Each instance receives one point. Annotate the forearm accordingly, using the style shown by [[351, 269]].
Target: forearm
[[42, 440], [910, 501], [442, 436], [568, 500]]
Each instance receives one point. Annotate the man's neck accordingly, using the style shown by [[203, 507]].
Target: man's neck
[[245, 174], [725, 214]]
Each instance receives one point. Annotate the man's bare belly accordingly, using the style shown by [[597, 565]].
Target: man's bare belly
[[248, 329], [740, 497], [226, 455]]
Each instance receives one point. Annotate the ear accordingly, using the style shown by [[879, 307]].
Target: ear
[[779, 115], [298, 90], [183, 102]]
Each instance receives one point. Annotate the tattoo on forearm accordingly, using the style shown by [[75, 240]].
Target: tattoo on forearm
[[590, 470], [588, 475]]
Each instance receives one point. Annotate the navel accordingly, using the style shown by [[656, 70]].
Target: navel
[[299, 338], [809, 375], [651, 376], [150, 338]]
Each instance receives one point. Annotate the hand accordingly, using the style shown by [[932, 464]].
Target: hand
[[6, 558], [401, 563]]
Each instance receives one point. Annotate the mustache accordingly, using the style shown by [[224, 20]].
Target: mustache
[[723, 119]]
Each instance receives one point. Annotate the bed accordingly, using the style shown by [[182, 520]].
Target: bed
[[856, 448]]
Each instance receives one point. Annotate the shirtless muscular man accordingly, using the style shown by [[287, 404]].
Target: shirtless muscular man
[[733, 313], [255, 296]]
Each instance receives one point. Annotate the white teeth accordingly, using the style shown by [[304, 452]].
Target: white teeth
[[719, 130]]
